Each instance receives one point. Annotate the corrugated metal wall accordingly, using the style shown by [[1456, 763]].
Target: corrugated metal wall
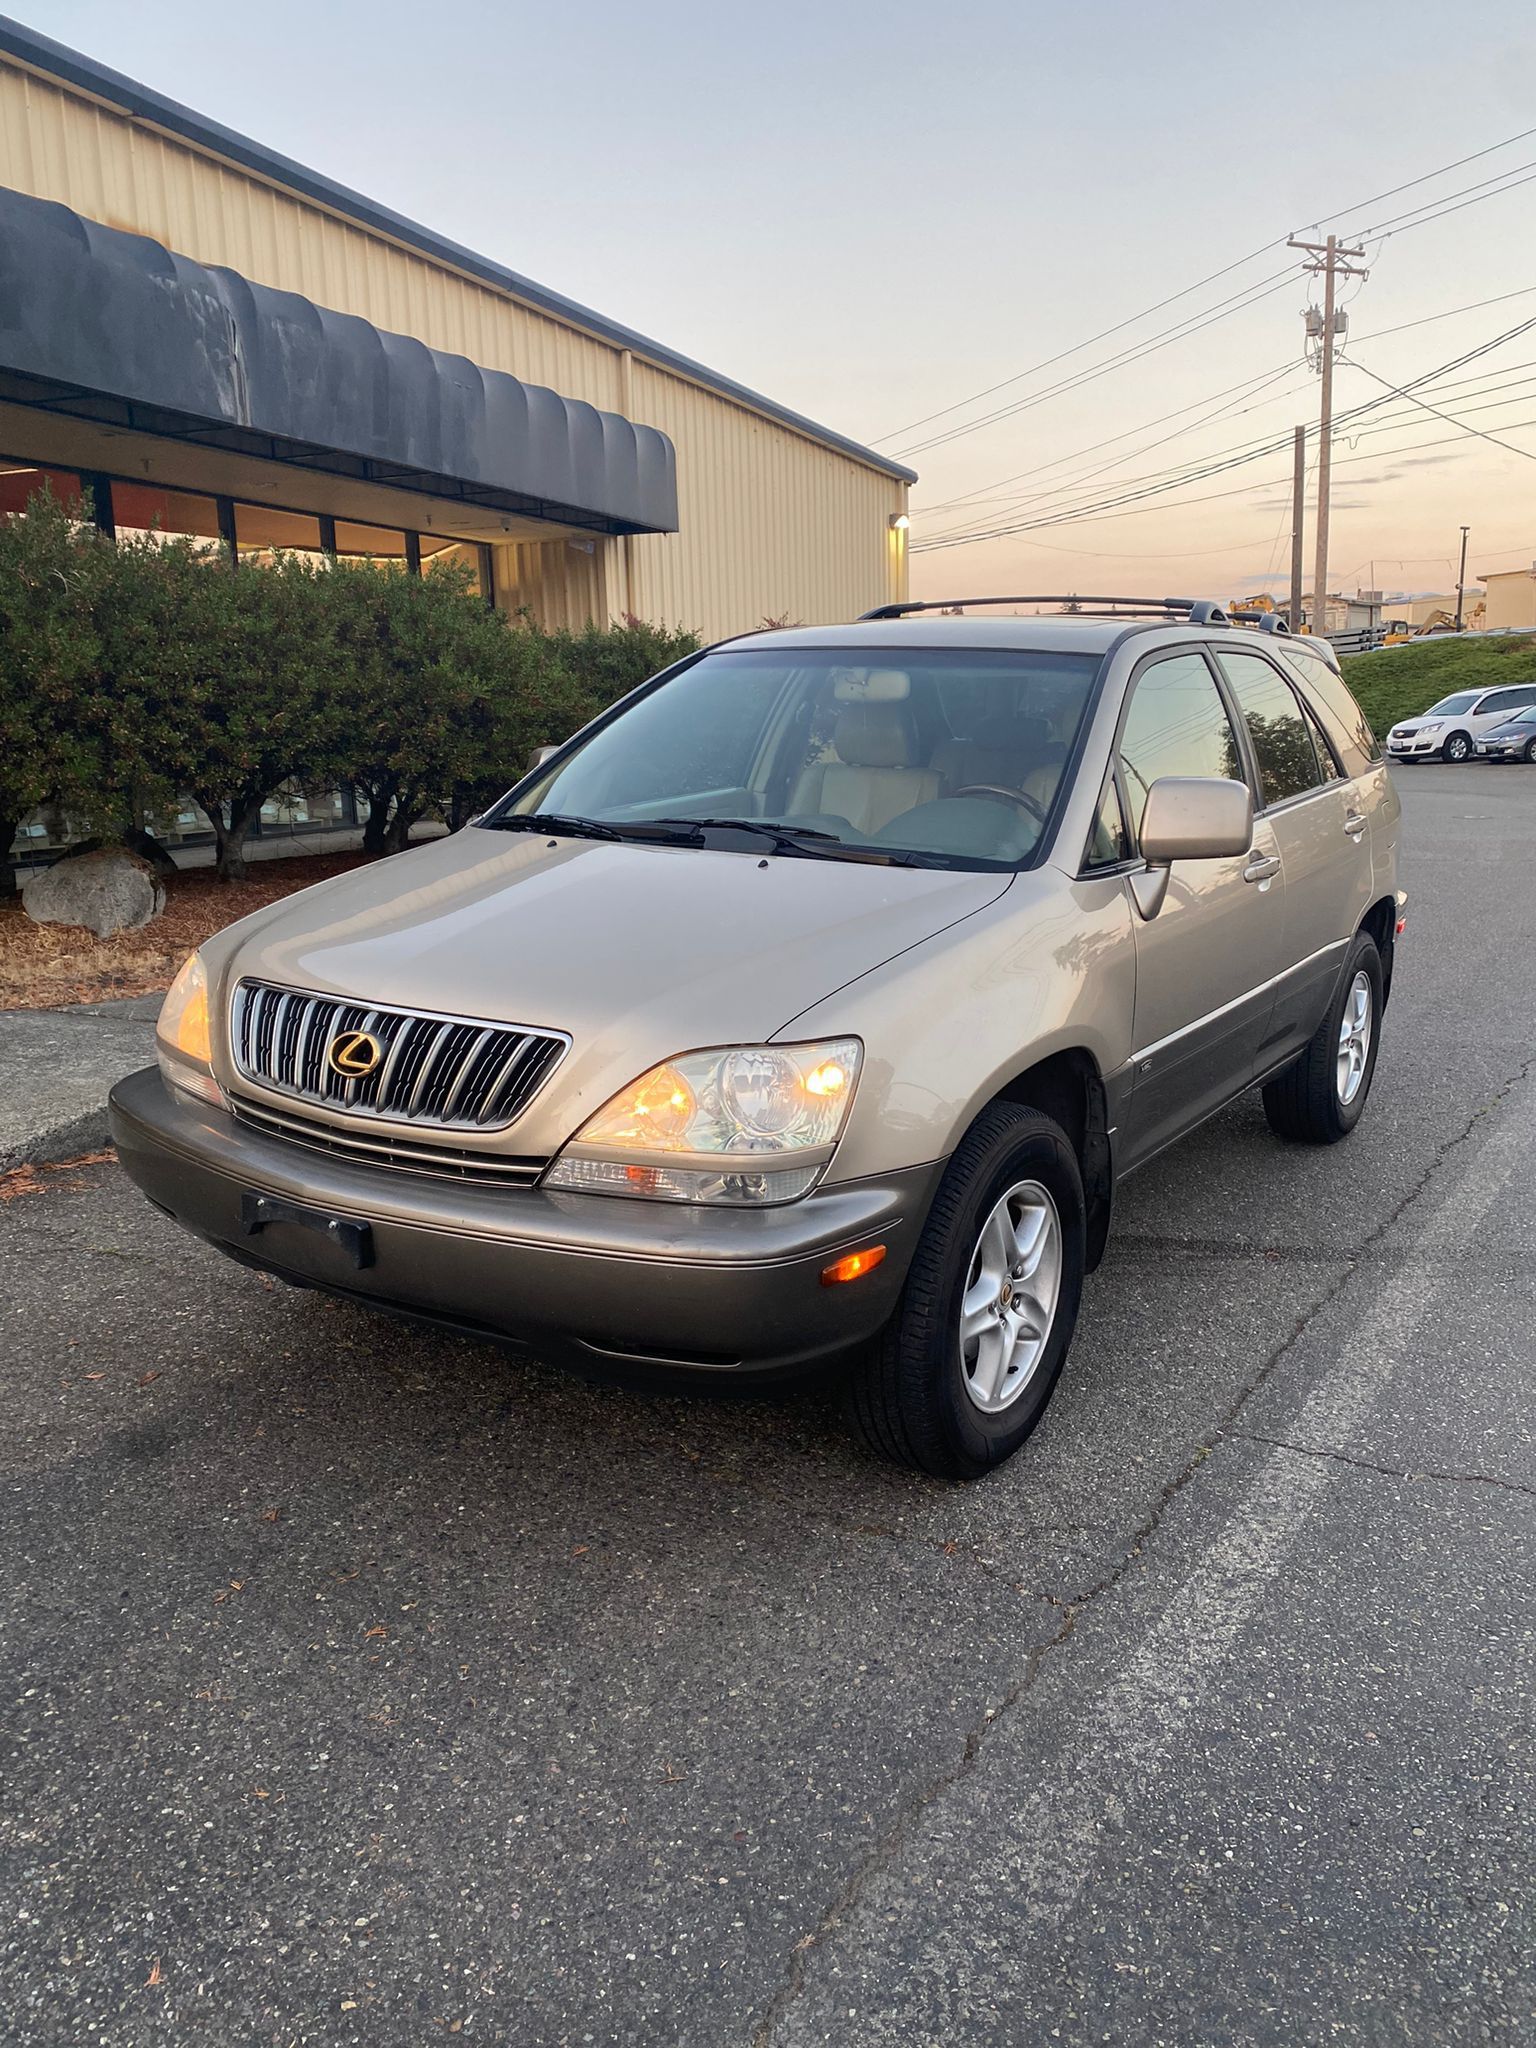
[[773, 523]]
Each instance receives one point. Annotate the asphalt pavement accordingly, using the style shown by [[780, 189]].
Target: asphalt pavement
[[363, 1685]]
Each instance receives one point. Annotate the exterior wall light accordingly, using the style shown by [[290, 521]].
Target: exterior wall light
[[900, 521]]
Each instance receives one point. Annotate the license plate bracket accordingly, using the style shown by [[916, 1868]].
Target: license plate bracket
[[350, 1234]]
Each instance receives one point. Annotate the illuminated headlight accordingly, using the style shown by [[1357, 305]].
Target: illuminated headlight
[[183, 1043], [748, 1124]]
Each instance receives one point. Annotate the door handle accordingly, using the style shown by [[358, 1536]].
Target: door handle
[[1261, 867], [1354, 823]]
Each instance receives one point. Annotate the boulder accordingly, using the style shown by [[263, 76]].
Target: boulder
[[110, 891]]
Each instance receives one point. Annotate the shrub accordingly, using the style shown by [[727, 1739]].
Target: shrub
[[135, 671], [51, 696]]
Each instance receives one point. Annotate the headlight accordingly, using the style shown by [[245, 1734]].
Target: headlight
[[747, 1124], [1432, 725], [183, 1042]]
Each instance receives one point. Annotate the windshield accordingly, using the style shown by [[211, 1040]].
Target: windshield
[[953, 758], [1462, 701]]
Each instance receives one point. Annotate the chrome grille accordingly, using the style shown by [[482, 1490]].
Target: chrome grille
[[452, 1073], [378, 1148]]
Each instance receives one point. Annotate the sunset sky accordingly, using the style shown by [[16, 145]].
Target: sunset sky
[[872, 213]]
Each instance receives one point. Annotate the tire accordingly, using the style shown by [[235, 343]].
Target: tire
[[1529, 756], [1311, 1102], [1457, 747], [916, 1398]]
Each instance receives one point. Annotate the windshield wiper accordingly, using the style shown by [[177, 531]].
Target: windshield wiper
[[550, 821], [664, 831], [809, 839]]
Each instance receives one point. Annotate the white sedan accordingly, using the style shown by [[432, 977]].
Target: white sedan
[[1450, 730]]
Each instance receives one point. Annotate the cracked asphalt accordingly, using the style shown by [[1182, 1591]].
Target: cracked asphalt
[[367, 1686]]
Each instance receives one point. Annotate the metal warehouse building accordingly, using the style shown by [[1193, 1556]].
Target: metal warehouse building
[[216, 341]]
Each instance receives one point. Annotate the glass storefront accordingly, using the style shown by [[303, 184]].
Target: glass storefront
[[260, 532]]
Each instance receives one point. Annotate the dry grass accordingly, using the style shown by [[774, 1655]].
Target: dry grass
[[44, 966]]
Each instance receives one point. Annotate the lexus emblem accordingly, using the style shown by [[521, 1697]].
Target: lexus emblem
[[354, 1053]]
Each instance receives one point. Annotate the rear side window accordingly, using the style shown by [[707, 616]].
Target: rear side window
[[1282, 739], [1509, 700], [1176, 725], [1341, 714]]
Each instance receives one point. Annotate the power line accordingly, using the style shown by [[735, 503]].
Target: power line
[[1002, 482], [1467, 196], [1216, 466], [1211, 277], [1429, 319], [1211, 497], [1075, 482], [1238, 303], [1508, 446]]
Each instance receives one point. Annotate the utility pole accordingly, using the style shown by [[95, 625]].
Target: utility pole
[[1298, 517], [1332, 263], [1461, 579]]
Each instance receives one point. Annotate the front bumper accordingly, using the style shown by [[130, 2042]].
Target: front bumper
[[607, 1283], [1405, 750]]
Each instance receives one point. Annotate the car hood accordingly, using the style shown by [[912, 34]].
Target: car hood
[[638, 952]]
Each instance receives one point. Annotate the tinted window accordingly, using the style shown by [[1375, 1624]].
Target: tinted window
[[1176, 725], [1509, 700], [1282, 741], [1328, 767], [1463, 700], [1341, 714]]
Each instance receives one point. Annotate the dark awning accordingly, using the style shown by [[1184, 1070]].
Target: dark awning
[[112, 327]]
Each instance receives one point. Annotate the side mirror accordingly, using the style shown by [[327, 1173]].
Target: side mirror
[[539, 756], [1189, 817]]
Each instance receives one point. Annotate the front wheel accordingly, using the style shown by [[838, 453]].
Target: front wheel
[[1320, 1097], [966, 1366], [1457, 748], [1529, 756]]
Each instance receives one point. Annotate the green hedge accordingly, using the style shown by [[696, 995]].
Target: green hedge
[[131, 672], [1399, 682]]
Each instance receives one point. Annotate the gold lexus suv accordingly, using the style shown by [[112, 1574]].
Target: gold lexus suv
[[807, 1007]]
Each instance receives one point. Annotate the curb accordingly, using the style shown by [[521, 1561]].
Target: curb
[[88, 1132], [57, 1068]]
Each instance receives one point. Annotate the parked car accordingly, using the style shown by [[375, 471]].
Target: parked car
[[808, 1006], [1449, 730], [1514, 740]]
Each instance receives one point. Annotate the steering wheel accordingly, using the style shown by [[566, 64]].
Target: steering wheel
[[1024, 801]]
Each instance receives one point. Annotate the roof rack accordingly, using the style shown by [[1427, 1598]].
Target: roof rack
[[1199, 611], [1267, 622]]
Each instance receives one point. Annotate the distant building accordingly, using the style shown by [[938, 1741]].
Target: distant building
[[1511, 596]]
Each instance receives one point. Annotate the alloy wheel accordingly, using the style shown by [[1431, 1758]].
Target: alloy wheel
[[1354, 1039], [1009, 1302]]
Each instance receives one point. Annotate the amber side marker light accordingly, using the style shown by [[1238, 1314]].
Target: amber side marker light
[[852, 1266]]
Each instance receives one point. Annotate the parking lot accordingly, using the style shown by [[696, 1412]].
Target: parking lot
[[364, 1685]]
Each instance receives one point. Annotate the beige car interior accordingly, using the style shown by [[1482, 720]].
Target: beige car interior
[[877, 773]]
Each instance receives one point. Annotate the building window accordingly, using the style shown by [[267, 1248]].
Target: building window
[[435, 552], [151, 508], [21, 481], [261, 532], [383, 543]]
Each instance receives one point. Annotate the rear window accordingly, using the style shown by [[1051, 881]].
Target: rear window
[[1342, 717]]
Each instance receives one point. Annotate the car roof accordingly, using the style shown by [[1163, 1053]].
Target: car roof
[[1056, 635]]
